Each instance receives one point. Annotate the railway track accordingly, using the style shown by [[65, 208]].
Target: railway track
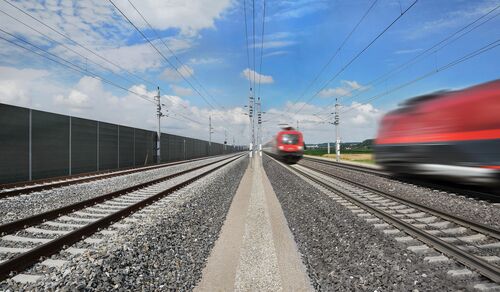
[[439, 235], [14, 189], [435, 185], [50, 232]]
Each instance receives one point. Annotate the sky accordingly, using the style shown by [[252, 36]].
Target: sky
[[85, 59]]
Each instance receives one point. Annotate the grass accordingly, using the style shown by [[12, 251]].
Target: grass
[[354, 157]]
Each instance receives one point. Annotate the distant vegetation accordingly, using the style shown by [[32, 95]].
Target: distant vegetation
[[347, 148]]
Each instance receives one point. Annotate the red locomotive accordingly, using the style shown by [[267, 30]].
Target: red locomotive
[[451, 134], [287, 145]]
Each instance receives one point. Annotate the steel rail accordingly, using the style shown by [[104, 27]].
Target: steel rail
[[20, 224], [349, 166], [478, 194], [60, 181], [479, 227], [486, 269], [27, 259]]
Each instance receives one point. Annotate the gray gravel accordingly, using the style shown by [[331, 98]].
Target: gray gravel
[[19, 207], [166, 250], [344, 253], [478, 211]]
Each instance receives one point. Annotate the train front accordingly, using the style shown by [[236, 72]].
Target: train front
[[290, 145], [451, 134]]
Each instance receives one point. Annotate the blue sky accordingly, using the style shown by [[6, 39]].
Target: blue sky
[[208, 37]]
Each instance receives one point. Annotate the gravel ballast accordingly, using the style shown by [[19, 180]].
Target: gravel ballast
[[467, 208], [165, 250], [343, 252], [18, 207]]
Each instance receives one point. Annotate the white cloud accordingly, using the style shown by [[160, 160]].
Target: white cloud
[[346, 88], [98, 26], [205, 61], [276, 53], [264, 79], [451, 18], [182, 91], [187, 16], [408, 51], [16, 84], [76, 100], [173, 75], [89, 98], [297, 9], [357, 121], [333, 92]]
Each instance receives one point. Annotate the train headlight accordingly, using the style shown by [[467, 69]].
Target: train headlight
[[281, 147], [300, 148]]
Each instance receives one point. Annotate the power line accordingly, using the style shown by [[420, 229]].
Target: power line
[[409, 63], [334, 55], [262, 47], [77, 43], [161, 54], [357, 55], [253, 31], [63, 45], [470, 55], [173, 54], [246, 38], [70, 66]]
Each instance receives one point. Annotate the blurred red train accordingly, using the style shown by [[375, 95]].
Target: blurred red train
[[447, 134], [288, 145]]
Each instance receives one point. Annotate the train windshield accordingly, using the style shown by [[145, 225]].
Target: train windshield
[[290, 139]]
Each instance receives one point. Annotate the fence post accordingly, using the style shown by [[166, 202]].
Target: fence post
[[97, 145], [30, 156], [69, 169], [118, 150]]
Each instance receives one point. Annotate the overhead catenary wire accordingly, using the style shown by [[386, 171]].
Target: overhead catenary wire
[[161, 54], [68, 64], [78, 44], [348, 64], [173, 53], [337, 51], [433, 49], [247, 48], [66, 47], [253, 31], [262, 47], [455, 62]]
